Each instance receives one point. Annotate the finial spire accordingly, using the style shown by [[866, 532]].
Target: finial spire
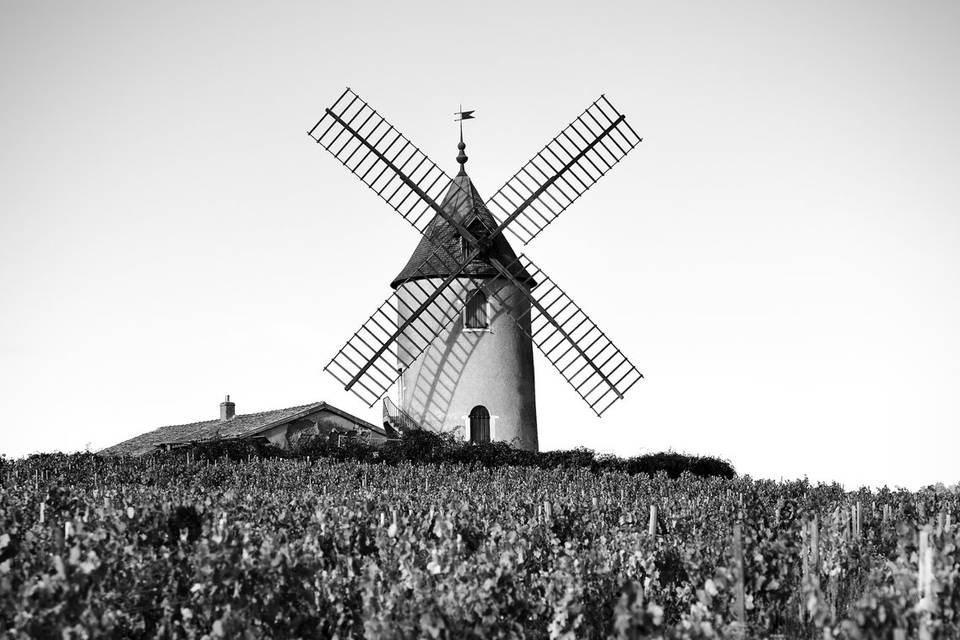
[[462, 157]]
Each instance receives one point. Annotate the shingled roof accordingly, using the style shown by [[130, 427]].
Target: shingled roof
[[240, 426], [463, 204]]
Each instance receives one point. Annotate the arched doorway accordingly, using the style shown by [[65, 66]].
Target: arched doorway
[[479, 424]]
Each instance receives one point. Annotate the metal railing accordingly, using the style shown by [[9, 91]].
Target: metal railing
[[398, 418]]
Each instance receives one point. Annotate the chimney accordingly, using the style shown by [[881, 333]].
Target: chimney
[[227, 409]]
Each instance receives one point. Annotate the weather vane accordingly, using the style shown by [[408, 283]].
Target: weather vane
[[461, 116]]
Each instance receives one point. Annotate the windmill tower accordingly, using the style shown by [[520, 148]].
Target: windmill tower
[[458, 331], [478, 371]]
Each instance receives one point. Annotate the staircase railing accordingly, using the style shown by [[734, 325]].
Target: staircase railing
[[397, 418]]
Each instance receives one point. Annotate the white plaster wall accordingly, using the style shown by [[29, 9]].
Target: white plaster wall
[[463, 368]]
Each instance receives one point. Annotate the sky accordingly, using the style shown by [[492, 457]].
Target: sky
[[780, 257]]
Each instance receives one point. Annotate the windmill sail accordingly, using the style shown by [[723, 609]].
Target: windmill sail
[[382, 157], [563, 170], [378, 352], [583, 354]]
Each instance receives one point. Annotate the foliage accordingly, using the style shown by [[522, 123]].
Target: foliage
[[250, 547], [426, 447]]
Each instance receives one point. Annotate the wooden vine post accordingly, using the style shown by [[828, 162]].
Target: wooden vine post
[[925, 582], [815, 546], [804, 566], [652, 528], [739, 598]]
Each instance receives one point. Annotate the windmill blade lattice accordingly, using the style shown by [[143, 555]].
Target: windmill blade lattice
[[563, 170], [368, 363], [383, 158], [583, 354]]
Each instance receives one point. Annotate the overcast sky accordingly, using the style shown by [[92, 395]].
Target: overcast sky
[[780, 257]]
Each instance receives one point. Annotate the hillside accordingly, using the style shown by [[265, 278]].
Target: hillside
[[290, 548]]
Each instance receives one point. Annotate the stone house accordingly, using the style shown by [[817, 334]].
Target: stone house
[[281, 427]]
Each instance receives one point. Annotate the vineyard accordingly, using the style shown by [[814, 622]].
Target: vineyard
[[166, 547]]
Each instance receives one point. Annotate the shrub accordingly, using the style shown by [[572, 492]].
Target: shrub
[[427, 447]]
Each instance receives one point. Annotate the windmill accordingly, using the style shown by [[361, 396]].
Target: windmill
[[457, 333]]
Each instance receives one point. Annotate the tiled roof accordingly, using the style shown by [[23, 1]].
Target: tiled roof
[[239, 426], [464, 204]]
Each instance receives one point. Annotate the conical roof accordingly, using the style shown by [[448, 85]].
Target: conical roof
[[463, 204]]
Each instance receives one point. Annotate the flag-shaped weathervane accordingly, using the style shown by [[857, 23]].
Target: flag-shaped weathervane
[[461, 116]]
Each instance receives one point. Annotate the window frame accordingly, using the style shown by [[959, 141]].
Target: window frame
[[486, 311]]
